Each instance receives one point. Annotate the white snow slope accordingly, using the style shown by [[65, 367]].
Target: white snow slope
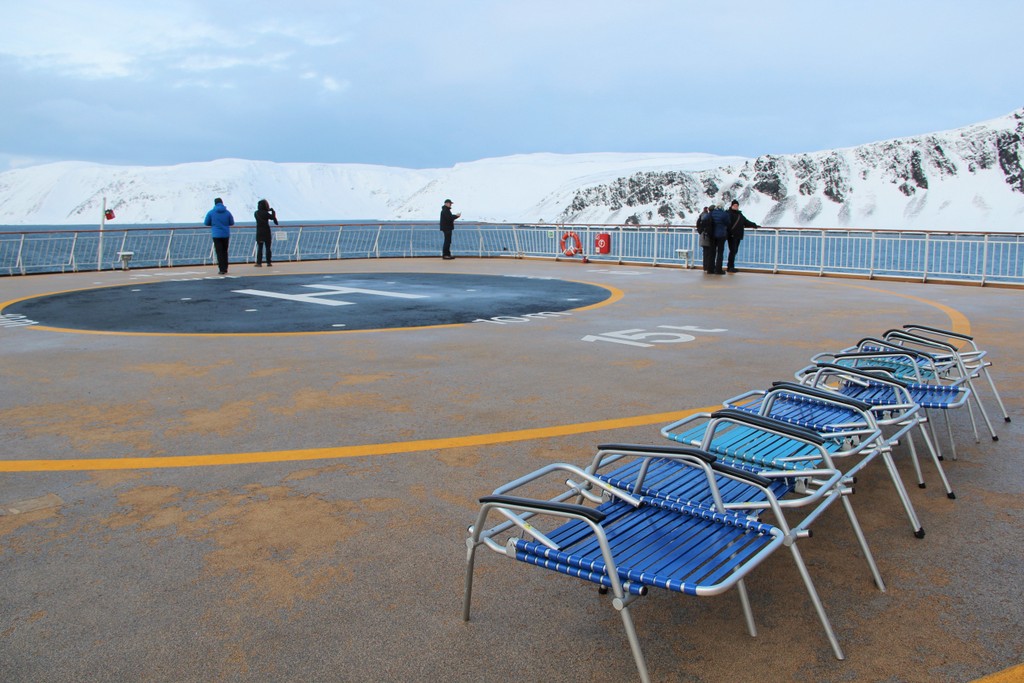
[[966, 179]]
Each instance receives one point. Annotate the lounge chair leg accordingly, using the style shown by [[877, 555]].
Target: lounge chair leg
[[859, 533], [970, 412], [902, 492], [936, 460], [748, 612], [634, 644], [468, 593], [816, 601], [931, 429], [917, 464], [999, 399], [984, 415], [949, 434]]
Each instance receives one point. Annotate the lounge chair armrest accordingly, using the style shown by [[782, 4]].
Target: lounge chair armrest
[[769, 423], [937, 330], [757, 479], [887, 379], [821, 393], [884, 353], [595, 516], [658, 450], [921, 340]]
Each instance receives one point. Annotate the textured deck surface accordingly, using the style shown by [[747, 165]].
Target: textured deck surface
[[258, 493]]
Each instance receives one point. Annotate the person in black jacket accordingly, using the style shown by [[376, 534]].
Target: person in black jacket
[[720, 233], [264, 214], [447, 226], [707, 241], [737, 222]]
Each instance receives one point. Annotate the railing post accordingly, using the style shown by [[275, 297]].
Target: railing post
[[924, 267], [871, 262], [821, 256], [984, 260], [775, 251]]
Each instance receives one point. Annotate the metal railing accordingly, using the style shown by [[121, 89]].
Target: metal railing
[[967, 257]]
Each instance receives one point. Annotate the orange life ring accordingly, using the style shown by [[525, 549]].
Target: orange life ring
[[571, 244]]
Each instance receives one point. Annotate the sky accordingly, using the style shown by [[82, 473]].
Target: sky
[[430, 84]]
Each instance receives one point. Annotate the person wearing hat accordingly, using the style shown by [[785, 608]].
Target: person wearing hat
[[447, 226], [220, 220], [737, 222]]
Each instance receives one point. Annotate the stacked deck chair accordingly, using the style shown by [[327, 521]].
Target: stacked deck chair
[[799, 462], [923, 380], [960, 353], [896, 404], [844, 421], [630, 543], [945, 357]]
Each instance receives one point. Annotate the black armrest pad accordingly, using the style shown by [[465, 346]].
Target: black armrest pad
[[771, 423], [938, 330], [862, 373], [658, 450], [821, 393], [741, 474], [593, 515], [886, 353]]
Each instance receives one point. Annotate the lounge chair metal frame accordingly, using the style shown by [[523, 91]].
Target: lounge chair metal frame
[[631, 543], [846, 421]]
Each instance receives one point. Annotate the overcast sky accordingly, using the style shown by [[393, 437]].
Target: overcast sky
[[429, 84]]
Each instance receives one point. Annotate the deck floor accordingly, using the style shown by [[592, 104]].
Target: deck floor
[[293, 507]]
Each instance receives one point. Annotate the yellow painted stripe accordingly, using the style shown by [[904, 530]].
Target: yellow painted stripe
[[1015, 674], [959, 322], [334, 453]]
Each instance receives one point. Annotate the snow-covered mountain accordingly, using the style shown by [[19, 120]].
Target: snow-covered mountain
[[965, 179]]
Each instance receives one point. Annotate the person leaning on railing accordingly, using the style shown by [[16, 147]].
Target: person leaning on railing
[[737, 221]]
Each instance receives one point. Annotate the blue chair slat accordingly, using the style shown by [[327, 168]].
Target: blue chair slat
[[669, 479], [661, 544]]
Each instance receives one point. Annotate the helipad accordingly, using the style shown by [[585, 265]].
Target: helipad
[[308, 302], [206, 478]]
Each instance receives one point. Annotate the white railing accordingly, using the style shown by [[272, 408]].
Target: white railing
[[968, 257]]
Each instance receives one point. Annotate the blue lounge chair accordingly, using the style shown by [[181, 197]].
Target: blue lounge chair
[[897, 404], [848, 423], [631, 543]]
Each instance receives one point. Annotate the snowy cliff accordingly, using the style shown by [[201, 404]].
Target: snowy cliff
[[965, 179]]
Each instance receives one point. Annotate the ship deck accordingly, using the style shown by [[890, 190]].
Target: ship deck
[[199, 487]]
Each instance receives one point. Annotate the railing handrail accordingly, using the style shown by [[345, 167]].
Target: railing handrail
[[926, 256]]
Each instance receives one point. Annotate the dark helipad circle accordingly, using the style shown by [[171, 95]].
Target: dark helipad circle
[[305, 303]]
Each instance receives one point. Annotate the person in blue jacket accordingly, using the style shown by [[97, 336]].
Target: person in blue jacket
[[720, 233], [220, 220]]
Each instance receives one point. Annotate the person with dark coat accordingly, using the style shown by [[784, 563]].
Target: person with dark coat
[[264, 214], [720, 234], [220, 220], [737, 222], [447, 226], [706, 240]]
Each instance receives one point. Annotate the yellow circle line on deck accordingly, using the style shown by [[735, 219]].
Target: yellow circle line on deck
[[615, 295], [333, 453], [960, 324]]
